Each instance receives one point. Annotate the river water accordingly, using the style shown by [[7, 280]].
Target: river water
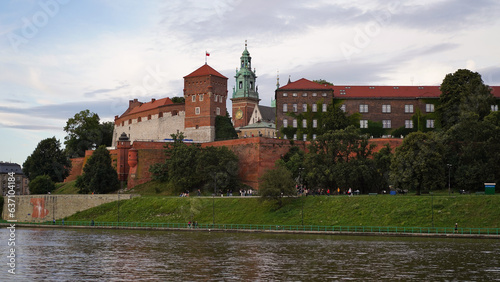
[[45, 254]]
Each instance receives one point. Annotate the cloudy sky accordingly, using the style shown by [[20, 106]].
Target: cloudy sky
[[58, 57]]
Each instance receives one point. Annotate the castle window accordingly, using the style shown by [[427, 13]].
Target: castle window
[[324, 108], [342, 108], [363, 123], [285, 123], [363, 108], [174, 113], [304, 123], [139, 119], [201, 97], [386, 123], [494, 108], [251, 84], [304, 94], [294, 123], [315, 123], [314, 108], [285, 94], [295, 108], [123, 123], [285, 108], [429, 108], [216, 97], [294, 94], [197, 110], [217, 111], [342, 91], [304, 108], [315, 94], [324, 94], [430, 123], [386, 108], [240, 85], [160, 114], [408, 123], [295, 137], [149, 117], [129, 121], [409, 109], [193, 98]]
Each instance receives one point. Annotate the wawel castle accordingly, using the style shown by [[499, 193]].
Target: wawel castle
[[294, 108]]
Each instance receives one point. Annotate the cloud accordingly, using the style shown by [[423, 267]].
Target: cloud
[[30, 127], [104, 90]]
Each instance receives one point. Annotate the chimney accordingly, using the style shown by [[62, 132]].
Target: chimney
[[152, 100]]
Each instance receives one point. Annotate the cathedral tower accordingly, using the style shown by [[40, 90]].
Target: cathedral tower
[[245, 95]]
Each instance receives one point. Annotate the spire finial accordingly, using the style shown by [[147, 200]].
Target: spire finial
[[277, 79], [245, 43]]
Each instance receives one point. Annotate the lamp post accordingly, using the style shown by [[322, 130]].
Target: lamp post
[[302, 188], [213, 198], [449, 178]]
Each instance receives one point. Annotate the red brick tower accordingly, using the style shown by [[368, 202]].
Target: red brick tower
[[122, 167], [205, 93]]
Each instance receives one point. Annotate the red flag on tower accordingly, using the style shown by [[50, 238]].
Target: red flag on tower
[[207, 54]]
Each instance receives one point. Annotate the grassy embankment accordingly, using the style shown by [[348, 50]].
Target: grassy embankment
[[381, 210]]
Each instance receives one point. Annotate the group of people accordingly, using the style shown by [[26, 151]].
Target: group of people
[[192, 224], [303, 191]]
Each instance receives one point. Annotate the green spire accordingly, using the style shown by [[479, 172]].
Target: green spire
[[245, 77]]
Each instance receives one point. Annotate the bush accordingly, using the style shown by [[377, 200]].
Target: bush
[[42, 184]]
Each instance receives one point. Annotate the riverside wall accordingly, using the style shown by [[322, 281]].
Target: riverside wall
[[40, 208]]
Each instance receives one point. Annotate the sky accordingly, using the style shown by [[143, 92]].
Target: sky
[[59, 57]]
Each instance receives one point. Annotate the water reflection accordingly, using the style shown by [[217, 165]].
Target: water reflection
[[118, 255]]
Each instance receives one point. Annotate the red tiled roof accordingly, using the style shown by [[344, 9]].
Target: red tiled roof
[[305, 84], [151, 105], [386, 91], [495, 90], [205, 70]]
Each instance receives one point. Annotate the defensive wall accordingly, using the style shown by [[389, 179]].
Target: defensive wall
[[40, 208], [256, 155]]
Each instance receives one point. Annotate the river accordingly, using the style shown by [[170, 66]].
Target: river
[[45, 254]]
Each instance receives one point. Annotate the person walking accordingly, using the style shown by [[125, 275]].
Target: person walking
[[456, 227]]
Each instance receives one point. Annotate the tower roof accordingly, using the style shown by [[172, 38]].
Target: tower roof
[[305, 84], [203, 71]]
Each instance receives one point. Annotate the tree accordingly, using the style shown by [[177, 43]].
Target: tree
[[224, 129], [463, 92], [277, 183], [178, 100], [85, 133], [47, 159], [221, 163], [418, 163], [341, 159], [99, 176], [42, 184], [382, 161], [473, 150], [188, 166], [322, 82]]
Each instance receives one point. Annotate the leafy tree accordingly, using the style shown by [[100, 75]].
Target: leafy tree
[[463, 92], [293, 160], [473, 150], [219, 163], [99, 176], [277, 183], [42, 184], [178, 100], [85, 132], [224, 129], [47, 159], [322, 82], [418, 163], [188, 166], [374, 129], [341, 159], [382, 161]]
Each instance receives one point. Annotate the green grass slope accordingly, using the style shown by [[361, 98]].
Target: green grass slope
[[382, 210]]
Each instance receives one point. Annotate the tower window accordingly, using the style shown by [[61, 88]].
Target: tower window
[[285, 108], [201, 97], [251, 84], [197, 110], [193, 98], [217, 111], [240, 85]]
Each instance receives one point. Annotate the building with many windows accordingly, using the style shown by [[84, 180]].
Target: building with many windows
[[391, 106], [21, 181]]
